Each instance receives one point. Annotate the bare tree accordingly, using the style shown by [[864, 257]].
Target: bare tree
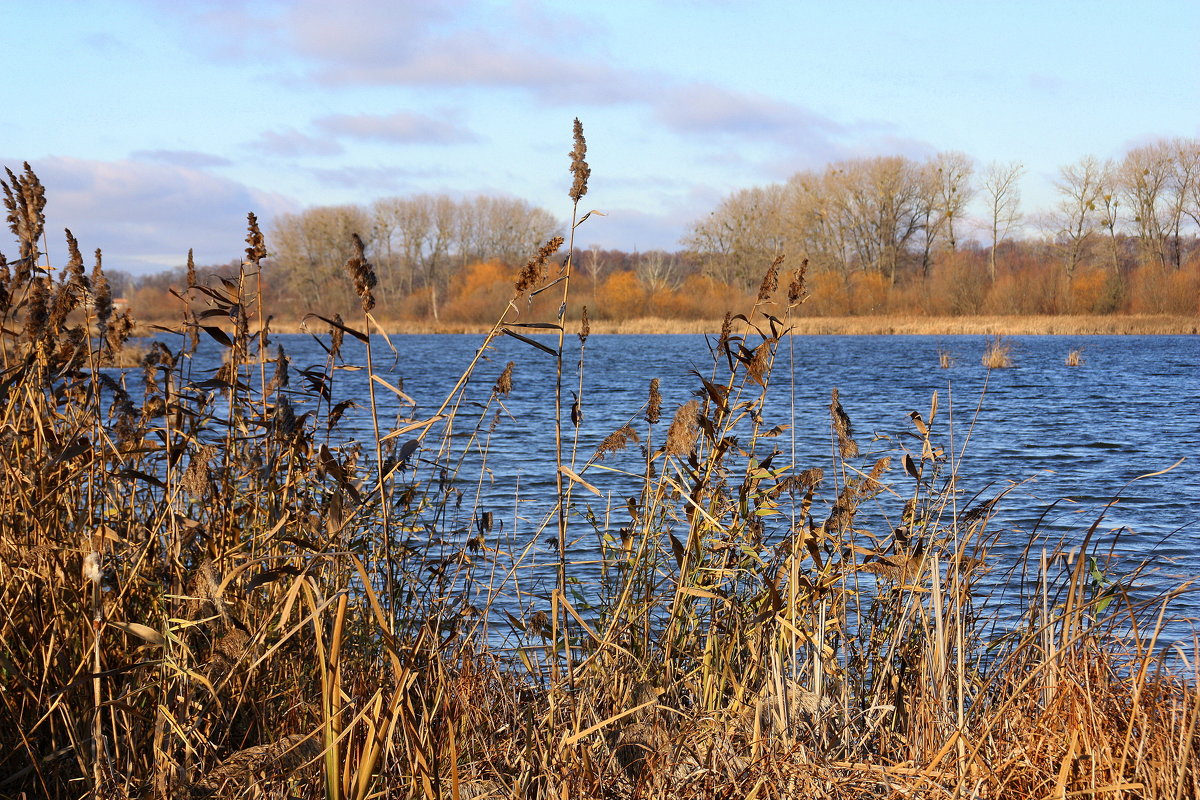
[[1184, 191], [741, 236], [658, 270], [1145, 182], [943, 194], [1110, 201], [1002, 191], [1077, 218], [954, 189], [311, 247]]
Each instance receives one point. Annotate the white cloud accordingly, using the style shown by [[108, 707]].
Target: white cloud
[[182, 158], [291, 143], [400, 127], [145, 217]]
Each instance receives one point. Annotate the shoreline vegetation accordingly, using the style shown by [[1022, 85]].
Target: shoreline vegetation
[[209, 592], [1045, 325]]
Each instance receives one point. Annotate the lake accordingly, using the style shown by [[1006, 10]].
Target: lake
[[1071, 438]]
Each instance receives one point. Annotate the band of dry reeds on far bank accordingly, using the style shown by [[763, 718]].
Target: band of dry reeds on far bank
[[1041, 325]]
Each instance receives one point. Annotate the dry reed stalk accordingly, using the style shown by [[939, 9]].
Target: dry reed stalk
[[1075, 358]]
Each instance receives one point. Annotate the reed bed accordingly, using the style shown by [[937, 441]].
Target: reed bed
[[998, 353], [1014, 325], [207, 592]]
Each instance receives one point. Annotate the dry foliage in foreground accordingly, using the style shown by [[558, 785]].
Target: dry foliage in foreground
[[207, 594]]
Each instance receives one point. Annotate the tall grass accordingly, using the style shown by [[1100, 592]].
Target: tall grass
[[206, 592]]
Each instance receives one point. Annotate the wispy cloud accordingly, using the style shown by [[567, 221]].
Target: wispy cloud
[[709, 109], [291, 143], [400, 127], [446, 44], [373, 179], [182, 158]]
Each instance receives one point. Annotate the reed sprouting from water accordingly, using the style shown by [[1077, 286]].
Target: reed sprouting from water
[[998, 353], [208, 591]]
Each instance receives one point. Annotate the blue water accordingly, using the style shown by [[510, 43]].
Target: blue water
[[1064, 441]]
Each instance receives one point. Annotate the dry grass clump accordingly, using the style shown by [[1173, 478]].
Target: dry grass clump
[[998, 353], [209, 593], [1075, 358], [945, 358]]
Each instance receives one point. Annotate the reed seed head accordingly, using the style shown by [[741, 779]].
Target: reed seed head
[[796, 291], [37, 314], [681, 436], [585, 327], [257, 249], [362, 273], [760, 365], [841, 426], [101, 295], [726, 331], [654, 404], [504, 383], [336, 334], [618, 440], [532, 273], [71, 289], [770, 281], [579, 165], [25, 199]]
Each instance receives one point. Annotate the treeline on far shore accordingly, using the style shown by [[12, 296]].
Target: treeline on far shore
[[618, 286], [887, 235]]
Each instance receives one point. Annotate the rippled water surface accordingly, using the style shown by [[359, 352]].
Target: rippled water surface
[[1072, 438]]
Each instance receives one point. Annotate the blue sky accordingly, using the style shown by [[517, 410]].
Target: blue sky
[[156, 125]]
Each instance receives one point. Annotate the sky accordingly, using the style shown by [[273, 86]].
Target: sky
[[156, 125]]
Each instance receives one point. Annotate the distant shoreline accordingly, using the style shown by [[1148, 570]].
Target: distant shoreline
[[1134, 325]]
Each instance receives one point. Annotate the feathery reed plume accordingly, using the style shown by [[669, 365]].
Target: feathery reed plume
[[796, 291], [71, 289], [759, 366], [281, 377], [654, 404], [504, 383], [872, 485], [617, 440], [101, 295], [585, 327], [726, 332], [25, 199], [120, 328], [579, 165], [533, 270], [37, 313], [191, 269], [681, 436], [841, 426], [770, 281], [337, 332], [362, 273], [257, 249]]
